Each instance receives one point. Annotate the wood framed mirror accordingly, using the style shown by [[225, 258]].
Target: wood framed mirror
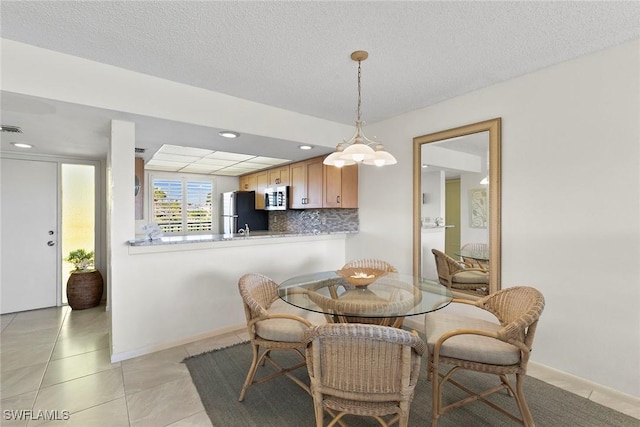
[[456, 205]]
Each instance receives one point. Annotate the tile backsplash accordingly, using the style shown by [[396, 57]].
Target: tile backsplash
[[314, 220]]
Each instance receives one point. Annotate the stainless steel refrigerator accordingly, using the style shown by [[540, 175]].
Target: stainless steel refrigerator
[[238, 209]]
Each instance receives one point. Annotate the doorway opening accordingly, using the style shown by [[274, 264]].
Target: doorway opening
[[78, 210]]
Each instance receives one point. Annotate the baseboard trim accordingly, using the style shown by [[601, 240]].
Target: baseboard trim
[[119, 357], [622, 402]]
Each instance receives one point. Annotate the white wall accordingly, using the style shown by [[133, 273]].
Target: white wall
[[173, 294], [570, 204]]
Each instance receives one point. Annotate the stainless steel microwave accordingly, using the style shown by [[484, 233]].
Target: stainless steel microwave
[[276, 198]]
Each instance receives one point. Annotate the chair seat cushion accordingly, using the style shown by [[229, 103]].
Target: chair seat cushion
[[473, 276], [474, 348], [284, 330], [287, 330]]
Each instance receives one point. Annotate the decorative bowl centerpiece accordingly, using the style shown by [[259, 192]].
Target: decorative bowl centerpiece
[[361, 276]]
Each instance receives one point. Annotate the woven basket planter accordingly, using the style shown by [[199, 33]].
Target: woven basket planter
[[84, 289]]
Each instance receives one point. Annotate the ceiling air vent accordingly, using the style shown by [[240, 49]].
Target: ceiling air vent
[[14, 129], [140, 150]]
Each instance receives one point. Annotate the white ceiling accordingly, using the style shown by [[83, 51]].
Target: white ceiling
[[296, 56]]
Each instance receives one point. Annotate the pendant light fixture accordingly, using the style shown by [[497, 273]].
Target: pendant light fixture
[[357, 148]]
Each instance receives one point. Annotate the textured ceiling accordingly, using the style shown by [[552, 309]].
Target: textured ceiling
[[296, 55]]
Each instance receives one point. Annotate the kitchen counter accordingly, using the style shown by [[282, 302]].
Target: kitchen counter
[[219, 240]]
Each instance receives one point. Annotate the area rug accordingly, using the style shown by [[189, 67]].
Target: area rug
[[218, 376]]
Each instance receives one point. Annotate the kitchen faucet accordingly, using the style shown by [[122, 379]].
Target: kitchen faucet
[[244, 231]]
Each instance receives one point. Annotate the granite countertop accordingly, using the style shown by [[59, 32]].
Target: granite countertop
[[201, 238]]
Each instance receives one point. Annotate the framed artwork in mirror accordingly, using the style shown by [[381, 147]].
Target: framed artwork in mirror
[[478, 208]]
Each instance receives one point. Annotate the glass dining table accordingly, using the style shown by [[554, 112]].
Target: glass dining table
[[386, 301]]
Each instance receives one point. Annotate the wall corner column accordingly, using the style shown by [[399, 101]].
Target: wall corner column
[[120, 217]]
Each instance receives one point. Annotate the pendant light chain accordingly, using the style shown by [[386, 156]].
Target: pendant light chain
[[359, 89]]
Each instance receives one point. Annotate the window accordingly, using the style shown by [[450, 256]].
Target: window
[[182, 205]]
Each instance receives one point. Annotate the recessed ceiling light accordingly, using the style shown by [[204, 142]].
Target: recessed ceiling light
[[424, 165], [21, 145], [228, 134], [305, 147]]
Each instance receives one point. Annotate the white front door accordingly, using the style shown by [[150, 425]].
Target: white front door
[[29, 234]]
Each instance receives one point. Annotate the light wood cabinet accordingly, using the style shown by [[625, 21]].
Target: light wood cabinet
[[279, 176], [306, 184], [262, 180], [312, 184], [340, 187], [248, 182], [255, 182]]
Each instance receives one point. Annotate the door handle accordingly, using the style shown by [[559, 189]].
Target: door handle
[[51, 243]]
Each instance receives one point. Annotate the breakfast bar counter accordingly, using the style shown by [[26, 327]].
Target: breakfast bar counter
[[203, 241], [180, 289]]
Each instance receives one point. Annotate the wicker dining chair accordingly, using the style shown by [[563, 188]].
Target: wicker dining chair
[[371, 263], [484, 346], [364, 370], [456, 275], [475, 248], [271, 327]]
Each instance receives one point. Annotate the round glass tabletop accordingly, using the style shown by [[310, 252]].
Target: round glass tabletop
[[387, 295]]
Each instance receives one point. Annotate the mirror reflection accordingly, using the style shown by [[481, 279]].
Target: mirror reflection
[[456, 208]]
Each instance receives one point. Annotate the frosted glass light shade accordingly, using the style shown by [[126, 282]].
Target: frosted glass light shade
[[382, 158], [334, 159], [358, 153]]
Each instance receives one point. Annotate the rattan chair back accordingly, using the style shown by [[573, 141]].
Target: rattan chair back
[[363, 369]]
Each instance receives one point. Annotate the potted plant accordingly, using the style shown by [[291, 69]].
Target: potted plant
[[84, 287]]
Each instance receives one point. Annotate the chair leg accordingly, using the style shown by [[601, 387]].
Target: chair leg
[[527, 418], [429, 368], [435, 392], [317, 409], [251, 373], [505, 381], [403, 420]]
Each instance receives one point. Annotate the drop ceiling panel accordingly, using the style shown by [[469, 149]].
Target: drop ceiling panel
[[217, 162], [253, 165], [183, 151], [269, 160], [196, 168], [230, 156], [175, 157], [196, 160]]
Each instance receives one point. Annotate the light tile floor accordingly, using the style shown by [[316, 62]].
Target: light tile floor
[[57, 359]]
